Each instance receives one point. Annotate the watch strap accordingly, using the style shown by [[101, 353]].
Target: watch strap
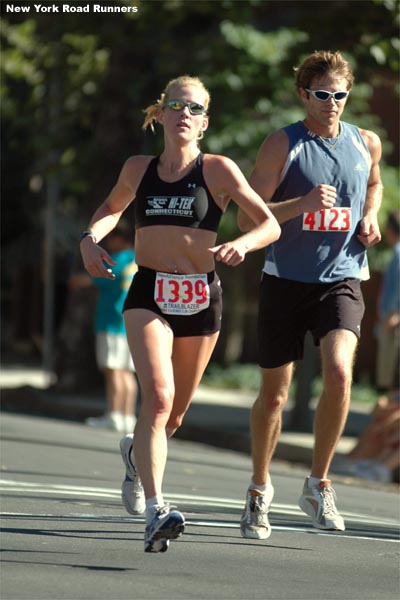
[[86, 233]]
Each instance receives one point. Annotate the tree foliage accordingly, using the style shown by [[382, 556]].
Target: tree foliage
[[73, 87]]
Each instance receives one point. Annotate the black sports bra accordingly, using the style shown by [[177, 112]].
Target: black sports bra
[[187, 202]]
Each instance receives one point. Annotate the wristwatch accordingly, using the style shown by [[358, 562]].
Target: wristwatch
[[85, 234]]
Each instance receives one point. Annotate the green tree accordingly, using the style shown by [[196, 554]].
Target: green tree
[[72, 90]]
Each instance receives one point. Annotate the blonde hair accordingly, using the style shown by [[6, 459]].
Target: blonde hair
[[152, 110], [322, 63]]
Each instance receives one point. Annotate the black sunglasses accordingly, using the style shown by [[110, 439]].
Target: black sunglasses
[[324, 96], [194, 107]]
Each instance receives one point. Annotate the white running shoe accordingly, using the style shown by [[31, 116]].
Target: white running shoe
[[113, 421], [319, 503], [132, 492], [166, 525], [254, 522]]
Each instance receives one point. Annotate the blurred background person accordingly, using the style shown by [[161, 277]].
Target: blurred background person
[[112, 352], [387, 368], [376, 454]]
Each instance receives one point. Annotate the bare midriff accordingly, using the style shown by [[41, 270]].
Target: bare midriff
[[174, 249]]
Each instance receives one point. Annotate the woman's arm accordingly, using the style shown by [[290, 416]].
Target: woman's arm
[[108, 214], [225, 179]]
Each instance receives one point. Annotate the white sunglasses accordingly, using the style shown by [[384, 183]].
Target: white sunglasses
[[324, 96]]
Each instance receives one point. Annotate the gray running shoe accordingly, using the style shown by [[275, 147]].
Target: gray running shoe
[[132, 492], [319, 503], [254, 522], [167, 524]]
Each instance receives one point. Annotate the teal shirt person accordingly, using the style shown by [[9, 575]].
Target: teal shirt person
[[112, 293]]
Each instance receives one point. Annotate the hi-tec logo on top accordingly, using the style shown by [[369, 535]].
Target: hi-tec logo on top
[[170, 205]]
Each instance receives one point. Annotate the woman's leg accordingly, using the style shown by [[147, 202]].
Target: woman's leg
[[151, 341], [190, 357]]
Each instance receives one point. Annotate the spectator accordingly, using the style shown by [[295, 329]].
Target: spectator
[[112, 351], [376, 455], [387, 371]]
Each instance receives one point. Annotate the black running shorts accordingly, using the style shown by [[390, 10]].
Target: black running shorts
[[288, 309], [142, 292]]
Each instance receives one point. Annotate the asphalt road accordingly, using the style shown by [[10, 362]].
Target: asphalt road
[[66, 534]]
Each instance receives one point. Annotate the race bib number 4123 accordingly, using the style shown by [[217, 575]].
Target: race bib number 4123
[[328, 219], [181, 294]]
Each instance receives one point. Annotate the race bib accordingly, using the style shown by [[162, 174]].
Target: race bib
[[328, 219], [181, 294]]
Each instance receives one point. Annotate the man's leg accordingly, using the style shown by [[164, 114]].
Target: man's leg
[[318, 498], [266, 418], [266, 424], [337, 352]]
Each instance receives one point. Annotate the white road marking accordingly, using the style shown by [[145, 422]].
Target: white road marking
[[191, 522], [188, 500]]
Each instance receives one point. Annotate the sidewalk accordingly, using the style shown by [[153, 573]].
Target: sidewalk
[[218, 417]]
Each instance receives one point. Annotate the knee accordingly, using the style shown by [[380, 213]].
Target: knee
[[174, 422], [271, 402], [157, 403], [338, 378]]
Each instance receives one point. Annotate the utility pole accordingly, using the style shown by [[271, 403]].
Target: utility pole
[[52, 200]]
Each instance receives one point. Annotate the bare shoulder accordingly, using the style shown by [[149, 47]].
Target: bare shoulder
[[276, 144], [223, 178], [139, 162], [372, 141], [219, 170], [134, 169], [218, 162]]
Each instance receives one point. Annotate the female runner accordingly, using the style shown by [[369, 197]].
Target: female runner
[[173, 309]]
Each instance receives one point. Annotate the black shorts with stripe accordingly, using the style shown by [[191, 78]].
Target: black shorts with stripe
[[141, 295], [288, 309]]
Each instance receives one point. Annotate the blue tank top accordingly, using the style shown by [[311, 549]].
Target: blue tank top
[[187, 202], [322, 246]]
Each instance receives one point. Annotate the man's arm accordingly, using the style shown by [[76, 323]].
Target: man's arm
[[265, 179], [369, 228]]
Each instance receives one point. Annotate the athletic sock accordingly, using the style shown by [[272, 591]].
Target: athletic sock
[[312, 481], [152, 506], [260, 488]]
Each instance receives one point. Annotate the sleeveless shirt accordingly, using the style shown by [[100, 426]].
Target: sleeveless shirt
[[187, 202], [322, 246]]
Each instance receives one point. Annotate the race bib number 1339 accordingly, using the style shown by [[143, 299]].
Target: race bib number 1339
[[328, 219], [181, 294]]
